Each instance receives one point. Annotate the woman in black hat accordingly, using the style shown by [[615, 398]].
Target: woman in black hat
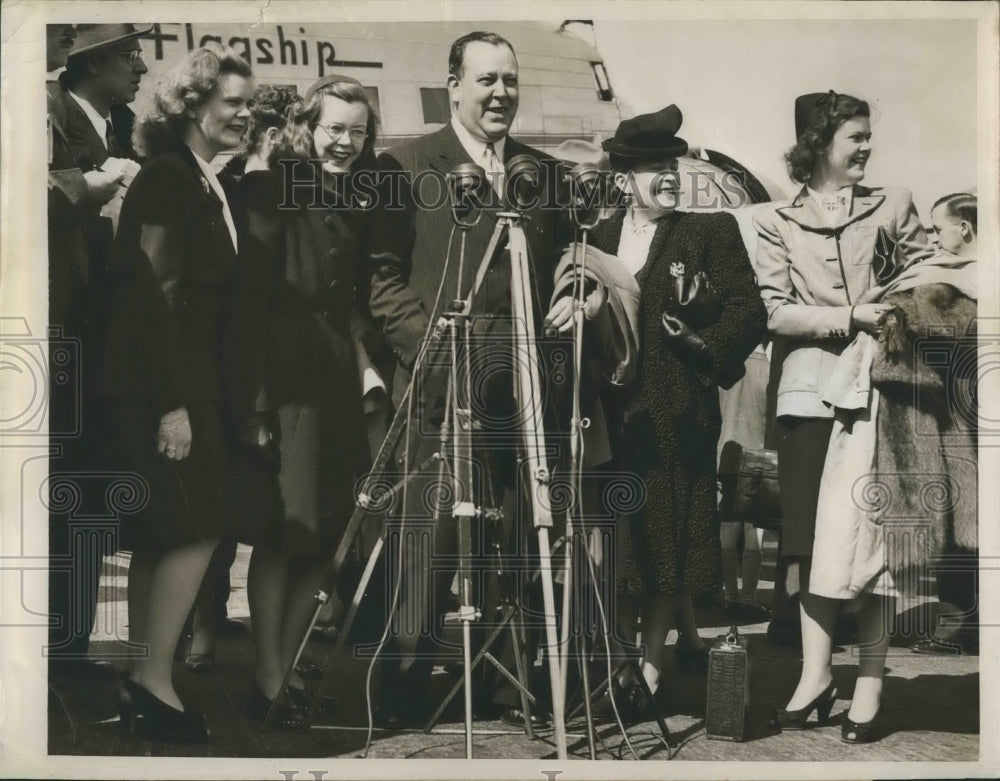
[[700, 316], [173, 269], [304, 254], [819, 257]]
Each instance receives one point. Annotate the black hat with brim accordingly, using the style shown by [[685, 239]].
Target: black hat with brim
[[649, 136], [91, 37]]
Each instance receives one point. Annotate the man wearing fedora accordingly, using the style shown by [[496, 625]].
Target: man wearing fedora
[[90, 128], [409, 269]]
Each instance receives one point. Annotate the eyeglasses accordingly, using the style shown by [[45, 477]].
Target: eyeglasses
[[358, 135], [132, 56]]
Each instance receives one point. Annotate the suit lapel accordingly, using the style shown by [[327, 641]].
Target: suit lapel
[[863, 202], [664, 228], [447, 151], [805, 212], [445, 154], [86, 146], [188, 156]]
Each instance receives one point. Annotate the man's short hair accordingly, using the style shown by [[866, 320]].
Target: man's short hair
[[456, 58], [960, 206]]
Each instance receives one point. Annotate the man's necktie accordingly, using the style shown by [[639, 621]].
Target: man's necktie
[[494, 168], [109, 138]]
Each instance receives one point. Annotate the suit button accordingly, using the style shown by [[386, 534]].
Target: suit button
[[837, 286]]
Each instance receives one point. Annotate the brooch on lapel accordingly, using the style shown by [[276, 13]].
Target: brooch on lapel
[[205, 185], [677, 269]]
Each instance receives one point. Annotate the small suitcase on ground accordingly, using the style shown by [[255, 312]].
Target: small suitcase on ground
[[728, 698]]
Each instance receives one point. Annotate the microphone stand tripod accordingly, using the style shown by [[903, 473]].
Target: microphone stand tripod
[[586, 186], [527, 390], [588, 194]]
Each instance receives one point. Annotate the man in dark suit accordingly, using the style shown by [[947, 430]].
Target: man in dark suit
[[409, 269], [90, 128]]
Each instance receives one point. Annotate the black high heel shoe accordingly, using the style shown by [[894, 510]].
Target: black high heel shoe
[[288, 715], [860, 732], [303, 701], [786, 720], [691, 658], [143, 712]]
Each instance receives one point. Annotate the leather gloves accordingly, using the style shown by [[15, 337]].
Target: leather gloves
[[686, 342]]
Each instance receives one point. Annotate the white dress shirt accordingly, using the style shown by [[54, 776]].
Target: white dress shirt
[[100, 123], [633, 246], [479, 152], [216, 185]]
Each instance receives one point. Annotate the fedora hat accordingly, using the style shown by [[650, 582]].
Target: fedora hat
[[326, 81], [649, 136], [91, 37], [576, 151]]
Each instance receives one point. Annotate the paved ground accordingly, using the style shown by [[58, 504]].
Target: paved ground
[[930, 707]]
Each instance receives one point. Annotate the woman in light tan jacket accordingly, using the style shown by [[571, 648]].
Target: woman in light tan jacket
[[818, 254]]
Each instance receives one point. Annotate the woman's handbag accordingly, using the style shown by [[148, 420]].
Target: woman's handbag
[[750, 492], [698, 303], [727, 701]]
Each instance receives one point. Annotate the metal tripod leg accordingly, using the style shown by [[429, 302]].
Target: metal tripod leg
[[506, 622], [389, 446], [528, 392]]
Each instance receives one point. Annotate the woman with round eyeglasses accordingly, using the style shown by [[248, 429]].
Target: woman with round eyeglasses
[[172, 275], [307, 257]]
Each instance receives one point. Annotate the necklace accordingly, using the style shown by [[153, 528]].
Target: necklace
[[640, 228]]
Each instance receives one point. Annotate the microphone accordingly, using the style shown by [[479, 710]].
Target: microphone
[[466, 183], [588, 194], [523, 182]]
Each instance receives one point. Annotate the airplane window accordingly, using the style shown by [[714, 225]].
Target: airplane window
[[601, 77], [372, 94], [435, 104]]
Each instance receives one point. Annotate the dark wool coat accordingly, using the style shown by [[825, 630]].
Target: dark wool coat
[[171, 283], [300, 299], [926, 453], [80, 242], [669, 419]]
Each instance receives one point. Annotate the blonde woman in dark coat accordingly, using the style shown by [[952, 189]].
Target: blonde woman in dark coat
[[174, 267]]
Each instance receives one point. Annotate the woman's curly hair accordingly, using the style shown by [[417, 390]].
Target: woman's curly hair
[[830, 112], [187, 86], [296, 140], [270, 107]]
